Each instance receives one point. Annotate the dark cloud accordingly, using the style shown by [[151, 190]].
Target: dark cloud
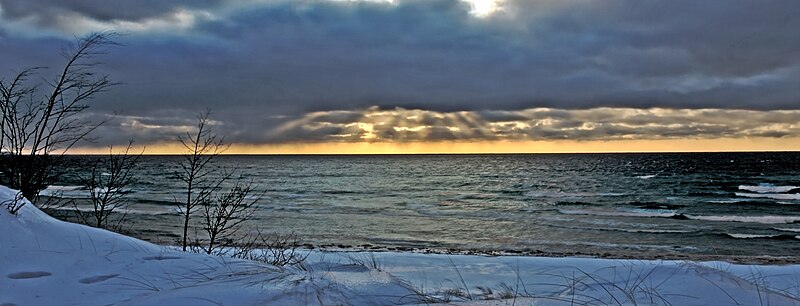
[[261, 65], [50, 12]]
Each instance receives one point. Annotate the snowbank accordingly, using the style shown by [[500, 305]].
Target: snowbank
[[582, 281], [44, 261]]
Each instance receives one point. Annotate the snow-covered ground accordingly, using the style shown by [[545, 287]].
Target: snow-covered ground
[[44, 261]]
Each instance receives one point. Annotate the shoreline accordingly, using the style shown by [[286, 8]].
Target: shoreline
[[68, 273], [736, 259], [162, 237], [166, 237]]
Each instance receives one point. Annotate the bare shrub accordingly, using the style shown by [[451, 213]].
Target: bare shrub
[[274, 249], [14, 205], [365, 259], [223, 215], [107, 185]]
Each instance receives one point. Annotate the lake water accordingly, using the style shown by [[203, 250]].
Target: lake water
[[682, 204]]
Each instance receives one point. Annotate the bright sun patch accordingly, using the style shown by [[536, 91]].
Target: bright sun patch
[[484, 7], [480, 8]]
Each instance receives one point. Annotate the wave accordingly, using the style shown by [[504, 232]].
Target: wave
[[63, 188], [653, 213], [550, 194], [62, 191], [656, 205], [646, 231], [611, 194], [573, 203], [733, 201], [626, 230], [774, 196], [757, 236], [707, 193], [784, 229], [340, 192], [76, 192], [665, 213], [644, 177], [751, 202], [655, 231], [121, 211], [156, 202], [767, 188], [747, 219]]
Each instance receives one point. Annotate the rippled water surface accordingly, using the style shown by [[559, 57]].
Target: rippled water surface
[[688, 203]]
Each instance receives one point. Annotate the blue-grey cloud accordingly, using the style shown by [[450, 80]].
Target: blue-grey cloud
[[260, 64], [49, 12]]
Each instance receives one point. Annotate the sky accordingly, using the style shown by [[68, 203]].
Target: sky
[[431, 76]]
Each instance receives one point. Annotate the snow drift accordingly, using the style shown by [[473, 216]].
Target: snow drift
[[44, 261]]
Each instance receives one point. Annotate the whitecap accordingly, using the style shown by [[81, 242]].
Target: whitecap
[[774, 196], [644, 177], [120, 210], [749, 236], [652, 231], [550, 194], [767, 188], [748, 219], [612, 194], [726, 201], [101, 190], [61, 191], [62, 188], [754, 236], [793, 230], [657, 213], [748, 201]]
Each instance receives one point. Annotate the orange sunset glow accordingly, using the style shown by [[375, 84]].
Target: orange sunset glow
[[492, 147]]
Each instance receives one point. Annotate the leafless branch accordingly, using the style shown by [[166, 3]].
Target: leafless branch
[[41, 122], [196, 169], [107, 185]]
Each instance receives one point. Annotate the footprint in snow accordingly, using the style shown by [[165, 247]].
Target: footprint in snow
[[27, 275], [161, 257], [97, 278]]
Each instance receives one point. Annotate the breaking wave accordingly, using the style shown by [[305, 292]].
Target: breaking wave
[[774, 196], [784, 229], [758, 236], [748, 219], [654, 213], [767, 188]]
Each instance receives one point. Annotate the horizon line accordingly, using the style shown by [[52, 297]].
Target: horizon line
[[454, 153]]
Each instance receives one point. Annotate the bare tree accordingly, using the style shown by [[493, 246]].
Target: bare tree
[[197, 170], [41, 122], [108, 184], [223, 217]]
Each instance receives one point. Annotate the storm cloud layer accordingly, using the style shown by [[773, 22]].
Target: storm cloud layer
[[539, 124], [263, 65]]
